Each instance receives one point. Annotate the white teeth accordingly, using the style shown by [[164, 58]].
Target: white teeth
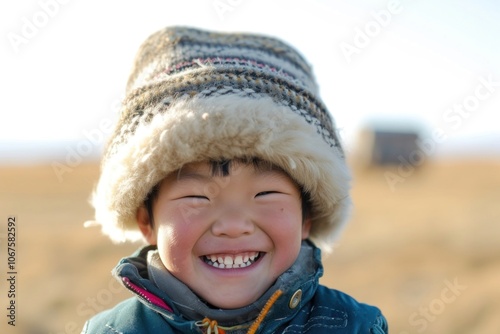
[[228, 261]]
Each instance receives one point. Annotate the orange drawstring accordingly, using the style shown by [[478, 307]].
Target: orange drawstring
[[212, 327], [264, 311]]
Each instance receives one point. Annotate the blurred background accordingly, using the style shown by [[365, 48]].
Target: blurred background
[[414, 87]]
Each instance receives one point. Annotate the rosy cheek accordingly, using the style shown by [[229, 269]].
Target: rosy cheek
[[174, 232], [179, 229], [172, 247], [285, 214]]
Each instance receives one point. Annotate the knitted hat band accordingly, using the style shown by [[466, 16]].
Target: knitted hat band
[[197, 96]]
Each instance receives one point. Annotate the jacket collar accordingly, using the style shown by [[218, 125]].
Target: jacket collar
[[144, 274]]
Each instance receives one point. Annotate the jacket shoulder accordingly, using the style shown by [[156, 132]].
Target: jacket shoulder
[[332, 311], [128, 317], [347, 312]]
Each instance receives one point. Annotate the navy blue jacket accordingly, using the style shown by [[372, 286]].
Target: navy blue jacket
[[300, 305]]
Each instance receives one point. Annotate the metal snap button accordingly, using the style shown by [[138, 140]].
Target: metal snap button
[[295, 300]]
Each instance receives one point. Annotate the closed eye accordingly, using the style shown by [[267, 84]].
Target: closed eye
[[196, 196], [193, 198], [263, 193]]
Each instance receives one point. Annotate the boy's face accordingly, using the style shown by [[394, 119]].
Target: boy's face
[[227, 238]]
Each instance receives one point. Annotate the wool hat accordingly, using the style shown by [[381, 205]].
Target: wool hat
[[196, 95]]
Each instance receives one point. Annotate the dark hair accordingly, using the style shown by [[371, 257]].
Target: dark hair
[[222, 168], [151, 197]]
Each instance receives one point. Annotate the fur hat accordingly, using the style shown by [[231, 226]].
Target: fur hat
[[195, 95]]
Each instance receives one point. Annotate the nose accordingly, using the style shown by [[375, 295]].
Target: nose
[[233, 223]]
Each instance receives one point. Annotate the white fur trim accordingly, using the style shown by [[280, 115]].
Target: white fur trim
[[222, 127]]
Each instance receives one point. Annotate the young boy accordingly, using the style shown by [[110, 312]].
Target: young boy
[[228, 164]]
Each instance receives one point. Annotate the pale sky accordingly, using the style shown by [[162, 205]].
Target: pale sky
[[436, 65]]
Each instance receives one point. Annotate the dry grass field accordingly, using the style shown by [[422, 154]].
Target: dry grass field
[[427, 252]]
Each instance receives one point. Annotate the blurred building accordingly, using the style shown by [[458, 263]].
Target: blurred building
[[378, 146]]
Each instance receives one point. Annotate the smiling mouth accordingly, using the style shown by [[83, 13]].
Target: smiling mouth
[[232, 261]]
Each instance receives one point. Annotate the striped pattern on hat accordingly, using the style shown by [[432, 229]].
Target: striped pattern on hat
[[195, 95]]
